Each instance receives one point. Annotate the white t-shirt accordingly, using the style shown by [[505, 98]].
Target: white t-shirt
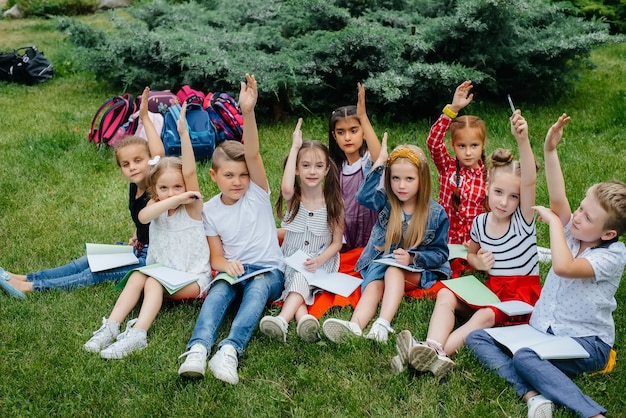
[[582, 307], [246, 228]]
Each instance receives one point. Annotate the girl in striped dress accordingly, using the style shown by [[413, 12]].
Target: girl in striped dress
[[503, 244], [314, 224]]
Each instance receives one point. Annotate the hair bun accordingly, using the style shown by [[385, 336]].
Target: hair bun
[[500, 157]]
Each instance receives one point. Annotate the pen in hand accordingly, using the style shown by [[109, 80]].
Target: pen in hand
[[320, 250], [508, 96]]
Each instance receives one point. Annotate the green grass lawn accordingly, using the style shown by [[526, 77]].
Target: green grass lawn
[[58, 192]]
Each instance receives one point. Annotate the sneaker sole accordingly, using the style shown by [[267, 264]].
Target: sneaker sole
[[93, 348], [441, 367], [422, 358], [404, 342], [272, 330], [308, 330], [544, 410], [190, 372], [118, 355], [397, 366], [337, 332]]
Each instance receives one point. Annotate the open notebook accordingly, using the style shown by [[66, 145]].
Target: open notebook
[[473, 292], [547, 346], [338, 283], [103, 257]]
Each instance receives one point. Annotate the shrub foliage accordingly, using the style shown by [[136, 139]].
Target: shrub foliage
[[310, 53]]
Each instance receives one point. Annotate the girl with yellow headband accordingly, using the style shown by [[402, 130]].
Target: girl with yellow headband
[[411, 232], [504, 245]]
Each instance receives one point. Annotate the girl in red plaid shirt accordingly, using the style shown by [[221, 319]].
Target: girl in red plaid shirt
[[462, 178]]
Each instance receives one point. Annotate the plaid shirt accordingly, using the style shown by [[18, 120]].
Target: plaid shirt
[[471, 188]]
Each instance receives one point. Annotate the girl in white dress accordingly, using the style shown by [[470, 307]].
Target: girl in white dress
[[314, 224], [177, 241]]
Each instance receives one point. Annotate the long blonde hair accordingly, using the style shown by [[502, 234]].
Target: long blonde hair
[[416, 230]]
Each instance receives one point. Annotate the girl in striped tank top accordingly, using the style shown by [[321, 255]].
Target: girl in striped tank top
[[503, 244], [314, 224]]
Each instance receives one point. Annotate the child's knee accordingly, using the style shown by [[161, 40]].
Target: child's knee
[[445, 297]]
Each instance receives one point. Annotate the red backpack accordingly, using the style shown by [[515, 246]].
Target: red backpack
[[225, 114]]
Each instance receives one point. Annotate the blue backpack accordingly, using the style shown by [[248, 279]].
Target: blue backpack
[[201, 131]]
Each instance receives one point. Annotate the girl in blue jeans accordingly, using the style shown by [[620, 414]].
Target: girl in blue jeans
[[240, 228], [132, 155]]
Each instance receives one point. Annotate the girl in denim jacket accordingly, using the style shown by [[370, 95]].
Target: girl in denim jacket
[[411, 231]]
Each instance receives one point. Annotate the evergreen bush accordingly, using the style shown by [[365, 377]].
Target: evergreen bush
[[614, 11], [311, 53]]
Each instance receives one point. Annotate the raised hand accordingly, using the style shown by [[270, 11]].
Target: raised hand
[[555, 133], [462, 96], [296, 137], [360, 104], [248, 94], [519, 126], [181, 125], [143, 106]]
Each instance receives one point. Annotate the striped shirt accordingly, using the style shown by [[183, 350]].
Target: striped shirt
[[515, 252], [471, 184]]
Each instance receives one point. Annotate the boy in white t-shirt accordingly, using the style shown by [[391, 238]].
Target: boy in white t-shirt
[[242, 236], [578, 297]]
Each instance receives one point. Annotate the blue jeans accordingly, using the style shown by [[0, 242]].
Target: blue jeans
[[255, 293], [77, 274], [526, 371]]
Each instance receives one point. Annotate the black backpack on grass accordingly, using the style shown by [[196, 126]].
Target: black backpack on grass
[[29, 67]]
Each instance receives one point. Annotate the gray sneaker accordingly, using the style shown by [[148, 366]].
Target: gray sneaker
[[224, 364], [308, 329], [103, 337], [338, 330], [273, 327], [195, 363], [404, 342], [127, 342], [427, 358]]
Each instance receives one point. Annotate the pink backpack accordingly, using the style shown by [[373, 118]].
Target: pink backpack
[[111, 121], [187, 93]]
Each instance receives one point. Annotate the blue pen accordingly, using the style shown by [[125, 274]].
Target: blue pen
[[319, 250]]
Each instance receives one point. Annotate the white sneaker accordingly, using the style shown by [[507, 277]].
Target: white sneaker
[[127, 342], [404, 342], [224, 364], [195, 363], [379, 332], [539, 407], [308, 328], [103, 337], [274, 327], [337, 330]]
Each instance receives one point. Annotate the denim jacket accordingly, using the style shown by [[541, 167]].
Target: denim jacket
[[431, 255]]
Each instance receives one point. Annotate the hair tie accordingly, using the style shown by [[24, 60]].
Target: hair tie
[[154, 161], [405, 153]]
